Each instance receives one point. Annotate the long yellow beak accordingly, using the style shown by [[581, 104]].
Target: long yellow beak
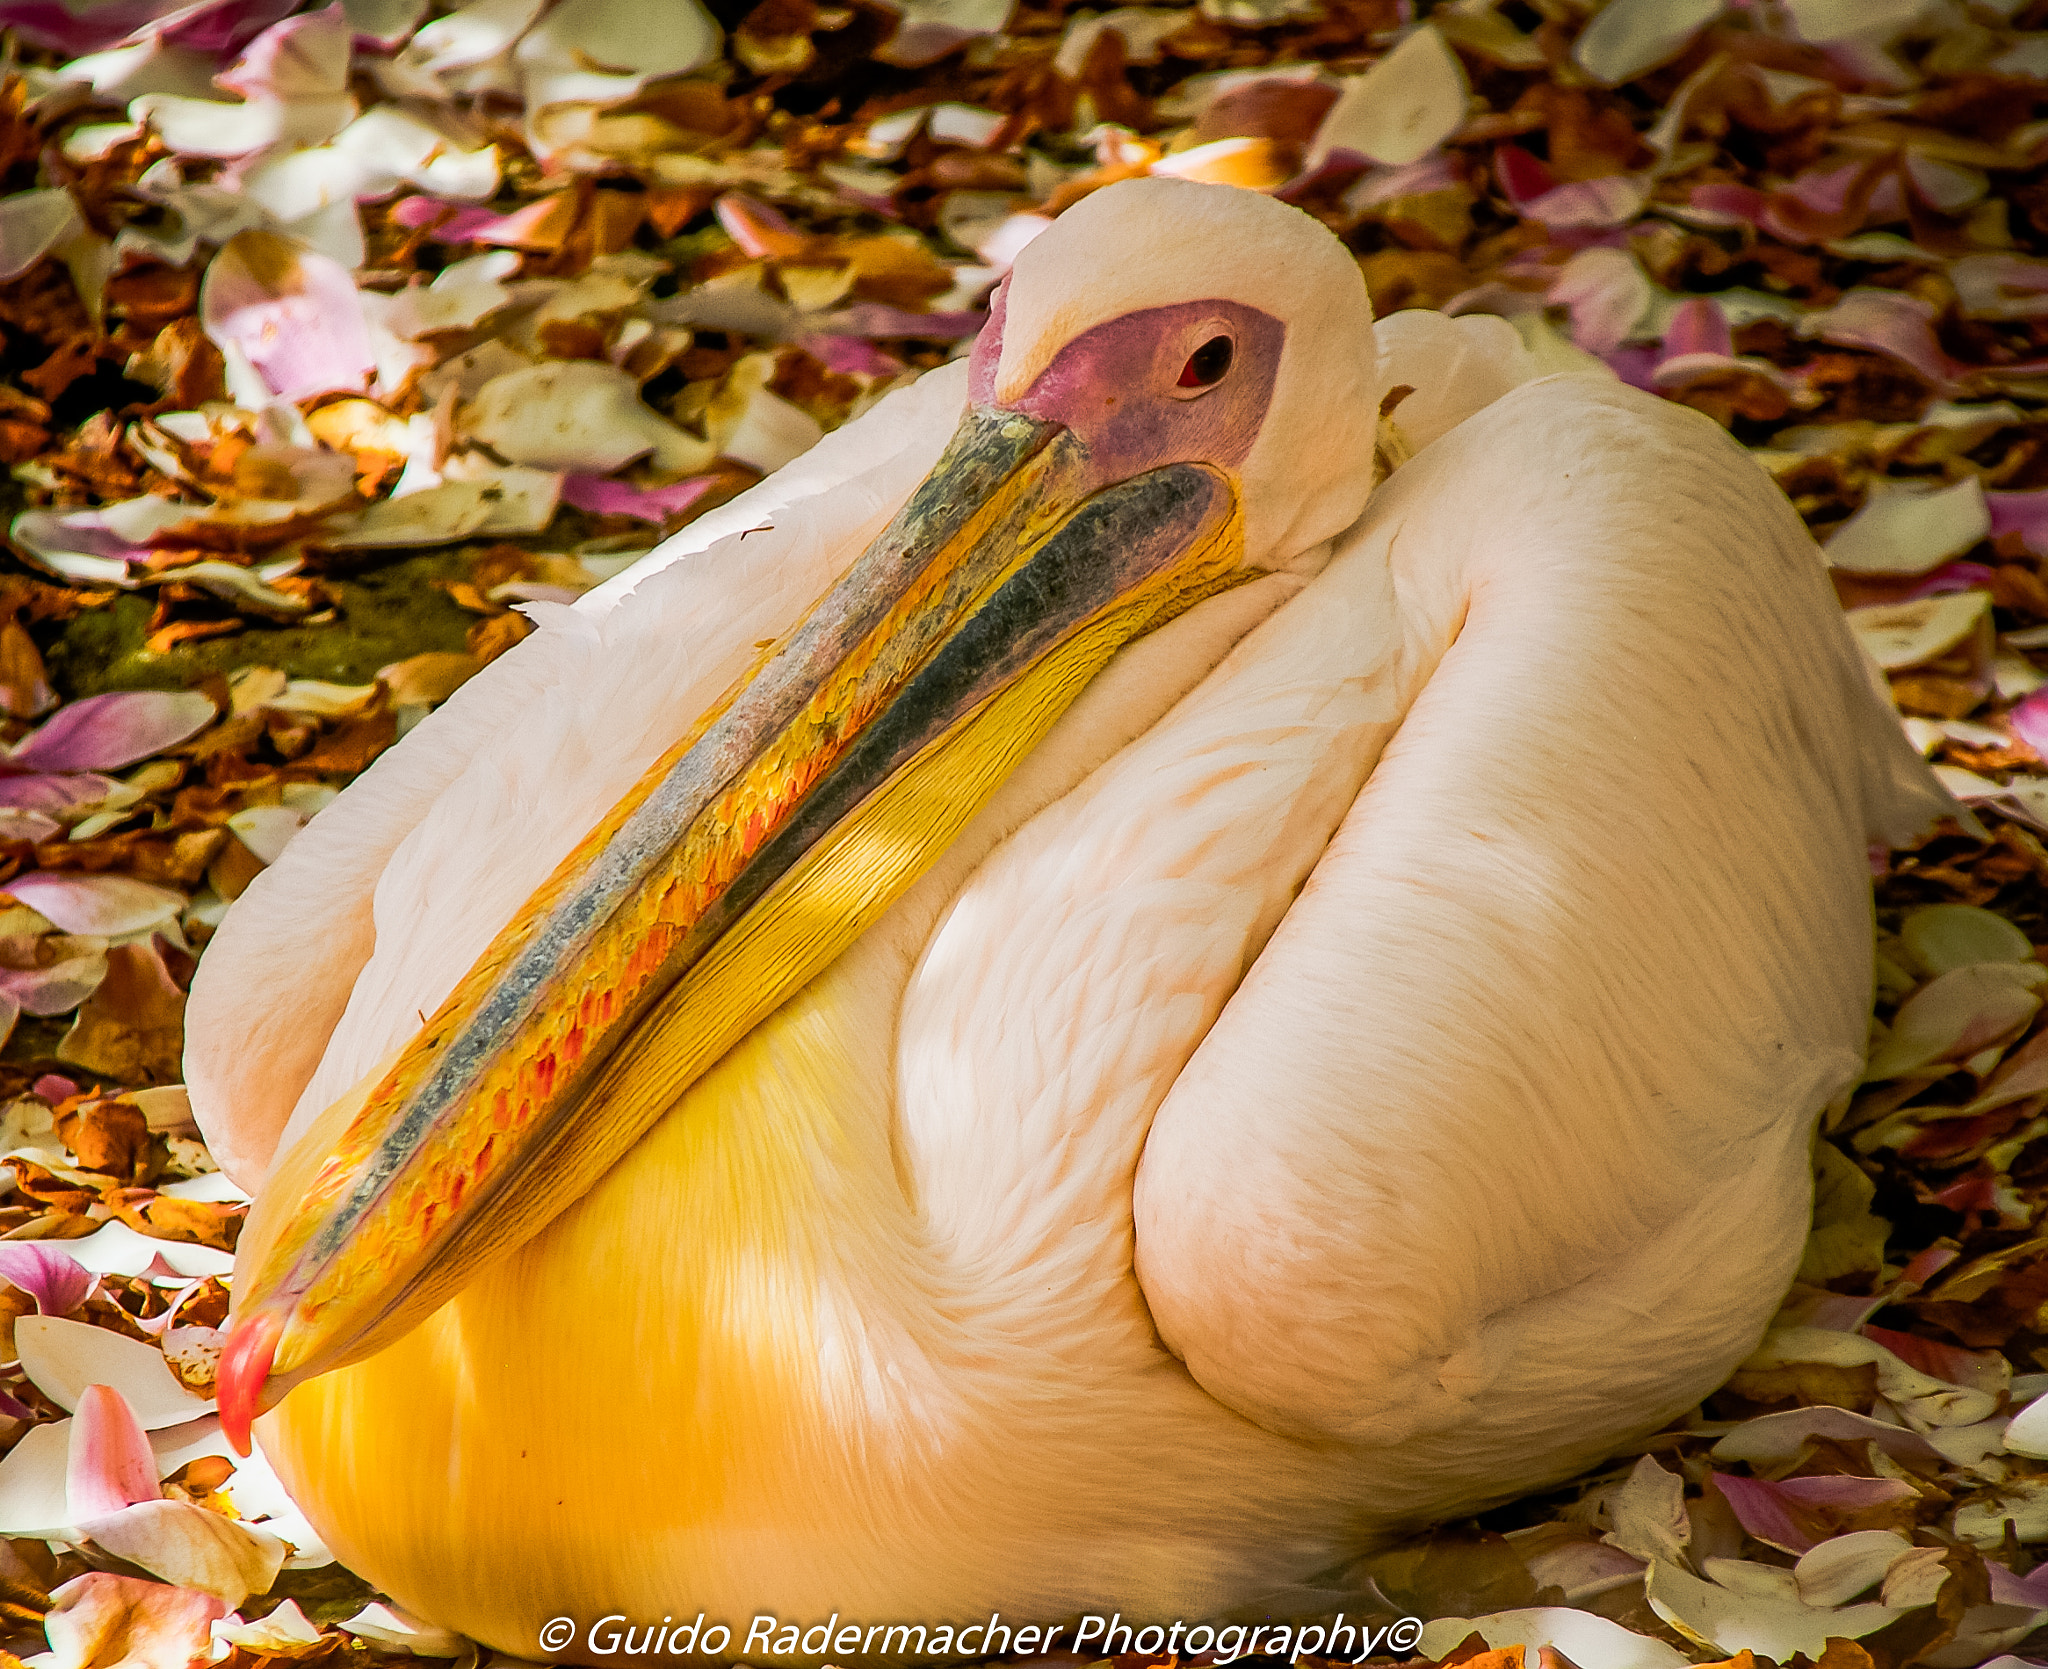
[[741, 865]]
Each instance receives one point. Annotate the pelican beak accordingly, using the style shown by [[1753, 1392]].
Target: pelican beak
[[742, 864]]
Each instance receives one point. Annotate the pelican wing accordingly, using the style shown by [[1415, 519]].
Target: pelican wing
[[1593, 940], [469, 800]]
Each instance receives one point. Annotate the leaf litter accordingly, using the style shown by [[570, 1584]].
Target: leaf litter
[[331, 336]]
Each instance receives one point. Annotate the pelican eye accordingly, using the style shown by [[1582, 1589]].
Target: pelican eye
[[1206, 365]]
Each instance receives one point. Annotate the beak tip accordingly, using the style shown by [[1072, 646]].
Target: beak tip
[[245, 1364]]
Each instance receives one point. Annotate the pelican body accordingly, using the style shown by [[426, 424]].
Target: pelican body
[[1052, 1012]]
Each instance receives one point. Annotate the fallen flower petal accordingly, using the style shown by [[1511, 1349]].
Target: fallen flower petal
[[285, 1632], [1888, 322], [579, 415], [292, 313], [1953, 1017], [1628, 37], [32, 223], [191, 1548], [1608, 295], [1794, 1513], [1839, 1569], [61, 1358], [1764, 1614], [51, 1276], [103, 1621], [1407, 104], [603, 496], [1580, 1637], [105, 732], [384, 1624], [2025, 514], [1903, 531], [110, 1464], [104, 906]]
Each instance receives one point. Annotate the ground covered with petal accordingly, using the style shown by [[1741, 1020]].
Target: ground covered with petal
[[330, 337]]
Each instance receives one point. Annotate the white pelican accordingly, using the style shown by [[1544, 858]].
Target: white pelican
[[1166, 1026]]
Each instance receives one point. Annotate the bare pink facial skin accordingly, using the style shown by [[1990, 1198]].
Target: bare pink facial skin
[[1119, 386]]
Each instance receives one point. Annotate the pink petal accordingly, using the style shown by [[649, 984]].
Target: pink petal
[[521, 229], [761, 232], [2000, 286], [303, 57], [1637, 366], [30, 826], [101, 1618], [1698, 326], [291, 312], [1765, 1513], [1953, 576], [1941, 1361], [868, 318], [2030, 1590], [221, 26], [55, 1280], [1780, 1513], [1927, 1265], [850, 356], [105, 732], [1607, 294], [48, 23], [1737, 203], [2029, 722], [53, 1087], [1522, 176], [57, 989], [110, 1465], [54, 796], [1612, 200], [1888, 322], [602, 496], [1826, 190], [2023, 513], [104, 906], [454, 222]]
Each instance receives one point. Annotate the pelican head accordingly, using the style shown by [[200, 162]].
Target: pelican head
[[1174, 394]]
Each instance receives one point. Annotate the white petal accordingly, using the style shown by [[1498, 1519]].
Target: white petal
[[1731, 1622], [210, 127], [61, 1358], [266, 830], [641, 38], [1902, 635], [771, 432], [32, 1495], [1408, 103], [1833, 20], [1628, 37], [1838, 1570], [1903, 531], [190, 1547], [471, 34], [32, 223], [304, 182], [215, 1187], [386, 1625], [577, 414], [2028, 1432], [116, 1249], [435, 516], [1590, 1641]]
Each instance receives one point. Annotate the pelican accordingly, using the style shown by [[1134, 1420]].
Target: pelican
[[1053, 1012]]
